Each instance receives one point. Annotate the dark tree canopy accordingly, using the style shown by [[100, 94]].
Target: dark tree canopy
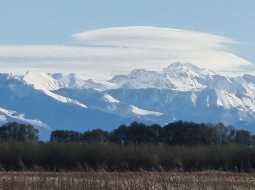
[[176, 133], [184, 146], [95, 136], [15, 132], [65, 136]]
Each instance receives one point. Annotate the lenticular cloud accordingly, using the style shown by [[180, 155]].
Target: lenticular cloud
[[162, 46], [140, 37], [106, 52]]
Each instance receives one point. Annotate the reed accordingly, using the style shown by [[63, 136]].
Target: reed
[[126, 181]]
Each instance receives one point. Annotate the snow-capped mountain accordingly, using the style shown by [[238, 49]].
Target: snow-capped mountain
[[184, 91], [39, 96], [177, 76], [178, 92], [57, 81]]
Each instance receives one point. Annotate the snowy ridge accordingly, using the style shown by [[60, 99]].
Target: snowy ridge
[[51, 82], [180, 91], [12, 116], [46, 83], [177, 76], [41, 80], [232, 92]]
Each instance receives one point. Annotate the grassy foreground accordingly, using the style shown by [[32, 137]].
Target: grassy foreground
[[127, 181]]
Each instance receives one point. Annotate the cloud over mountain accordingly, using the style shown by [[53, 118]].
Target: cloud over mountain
[[106, 52]]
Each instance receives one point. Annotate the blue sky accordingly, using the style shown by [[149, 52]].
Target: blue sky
[[54, 21], [31, 21]]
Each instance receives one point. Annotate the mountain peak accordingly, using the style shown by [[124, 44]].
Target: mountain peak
[[179, 76], [179, 65], [187, 68], [40, 80]]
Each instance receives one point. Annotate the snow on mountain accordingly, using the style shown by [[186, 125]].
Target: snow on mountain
[[186, 76], [140, 79], [184, 91], [46, 83], [7, 116], [104, 102], [176, 76], [143, 112], [49, 83], [178, 92], [17, 95], [41, 80], [231, 92], [110, 99], [78, 81]]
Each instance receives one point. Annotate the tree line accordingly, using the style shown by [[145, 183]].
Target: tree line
[[182, 146], [176, 133]]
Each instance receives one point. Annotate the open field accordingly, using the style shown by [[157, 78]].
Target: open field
[[127, 181]]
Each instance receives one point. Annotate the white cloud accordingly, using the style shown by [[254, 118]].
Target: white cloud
[[105, 52]]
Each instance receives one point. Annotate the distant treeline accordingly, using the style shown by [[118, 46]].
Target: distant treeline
[[181, 146], [177, 133]]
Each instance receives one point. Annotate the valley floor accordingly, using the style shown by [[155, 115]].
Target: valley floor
[[127, 181]]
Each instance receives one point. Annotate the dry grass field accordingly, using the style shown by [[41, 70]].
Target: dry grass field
[[127, 181]]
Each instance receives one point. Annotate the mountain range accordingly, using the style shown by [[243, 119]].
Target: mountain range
[[181, 91]]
